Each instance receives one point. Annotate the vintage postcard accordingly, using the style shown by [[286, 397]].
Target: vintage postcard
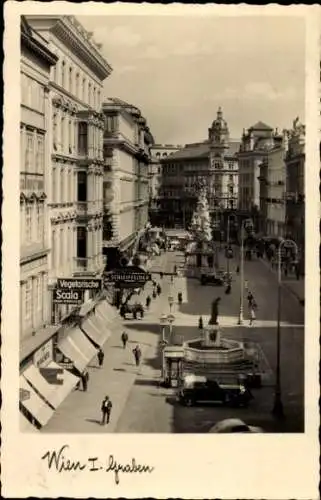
[[160, 251]]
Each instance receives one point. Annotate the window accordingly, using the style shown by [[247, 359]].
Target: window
[[54, 185], [82, 186], [40, 222], [77, 85], [61, 243], [55, 130], [28, 228], [54, 73], [98, 98], [28, 299], [70, 80], [83, 138], [69, 198], [83, 88], [29, 152], [89, 94], [53, 249], [94, 97], [81, 242], [69, 137], [63, 73], [40, 154], [62, 185], [62, 133]]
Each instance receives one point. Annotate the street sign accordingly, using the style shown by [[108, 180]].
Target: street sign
[[127, 277], [171, 318], [63, 296], [79, 284]]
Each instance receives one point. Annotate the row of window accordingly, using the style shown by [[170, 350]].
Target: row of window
[[32, 93], [69, 187], [72, 79], [32, 229], [32, 150], [32, 293], [70, 136]]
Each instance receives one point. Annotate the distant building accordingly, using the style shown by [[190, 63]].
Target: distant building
[[272, 191], [127, 142], [35, 135], [158, 151], [212, 163], [295, 187], [255, 144]]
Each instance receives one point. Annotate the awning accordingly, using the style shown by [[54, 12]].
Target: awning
[[33, 403], [25, 425], [107, 313], [78, 348], [52, 382], [96, 329]]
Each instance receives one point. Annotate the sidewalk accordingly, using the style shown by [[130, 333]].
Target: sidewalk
[[296, 287], [80, 412]]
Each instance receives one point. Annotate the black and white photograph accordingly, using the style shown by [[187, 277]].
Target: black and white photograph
[[163, 224]]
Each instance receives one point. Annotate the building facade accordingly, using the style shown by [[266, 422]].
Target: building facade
[[158, 151], [295, 185], [212, 163], [36, 63], [127, 142], [272, 192], [76, 172]]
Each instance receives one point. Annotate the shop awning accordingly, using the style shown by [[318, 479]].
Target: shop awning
[[96, 329], [78, 348], [108, 313], [33, 403], [25, 425], [52, 382]]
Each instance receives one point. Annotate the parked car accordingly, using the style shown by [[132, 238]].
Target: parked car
[[134, 309], [233, 425], [198, 389], [212, 279]]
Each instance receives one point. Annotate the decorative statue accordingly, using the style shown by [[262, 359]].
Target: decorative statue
[[214, 312]]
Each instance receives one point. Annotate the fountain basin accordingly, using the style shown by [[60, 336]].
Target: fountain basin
[[227, 352]]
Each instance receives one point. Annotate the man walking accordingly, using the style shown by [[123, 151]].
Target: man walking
[[124, 338], [137, 354], [100, 356], [106, 407], [252, 315]]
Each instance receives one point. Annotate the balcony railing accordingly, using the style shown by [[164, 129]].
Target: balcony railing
[[89, 265]]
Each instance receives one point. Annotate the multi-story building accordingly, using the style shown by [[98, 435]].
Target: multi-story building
[[213, 163], [158, 151], [35, 136], [295, 186], [127, 142], [76, 170], [272, 191]]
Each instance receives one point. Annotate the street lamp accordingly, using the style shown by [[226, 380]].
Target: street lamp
[[240, 321], [278, 405]]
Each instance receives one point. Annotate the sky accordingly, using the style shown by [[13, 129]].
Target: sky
[[179, 69]]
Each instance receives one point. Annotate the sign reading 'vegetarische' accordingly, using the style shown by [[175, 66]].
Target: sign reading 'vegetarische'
[[79, 284], [65, 296], [130, 276]]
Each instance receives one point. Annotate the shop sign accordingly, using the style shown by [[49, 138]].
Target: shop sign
[[79, 284], [127, 277], [44, 355], [63, 296]]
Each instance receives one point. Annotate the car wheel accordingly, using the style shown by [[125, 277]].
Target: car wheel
[[189, 402]]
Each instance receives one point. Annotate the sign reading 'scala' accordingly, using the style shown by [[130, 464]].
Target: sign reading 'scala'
[[63, 296]]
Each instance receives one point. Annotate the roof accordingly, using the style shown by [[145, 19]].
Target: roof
[[234, 146], [198, 150], [260, 126]]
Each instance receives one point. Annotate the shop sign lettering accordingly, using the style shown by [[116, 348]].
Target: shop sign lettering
[[62, 296], [79, 284]]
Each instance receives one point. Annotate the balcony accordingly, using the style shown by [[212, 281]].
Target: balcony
[[89, 208], [89, 266]]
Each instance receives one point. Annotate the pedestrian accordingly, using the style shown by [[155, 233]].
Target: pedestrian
[[250, 298], [252, 316], [180, 297], [106, 407], [161, 275], [200, 323], [137, 354], [228, 289], [158, 289], [238, 270], [124, 339], [100, 356], [175, 269], [154, 295], [84, 379], [148, 301]]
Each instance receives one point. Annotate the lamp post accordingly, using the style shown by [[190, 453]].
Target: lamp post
[[228, 246], [240, 321], [278, 405]]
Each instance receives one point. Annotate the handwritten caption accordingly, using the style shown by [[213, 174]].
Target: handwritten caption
[[58, 461]]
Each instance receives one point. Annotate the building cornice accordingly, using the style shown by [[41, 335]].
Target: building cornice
[[38, 49], [73, 34]]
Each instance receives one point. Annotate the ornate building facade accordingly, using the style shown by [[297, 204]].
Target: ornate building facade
[[213, 163], [127, 142], [75, 176], [36, 62]]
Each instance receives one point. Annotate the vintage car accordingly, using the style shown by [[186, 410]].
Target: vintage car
[[135, 309], [233, 425], [212, 279], [197, 389]]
